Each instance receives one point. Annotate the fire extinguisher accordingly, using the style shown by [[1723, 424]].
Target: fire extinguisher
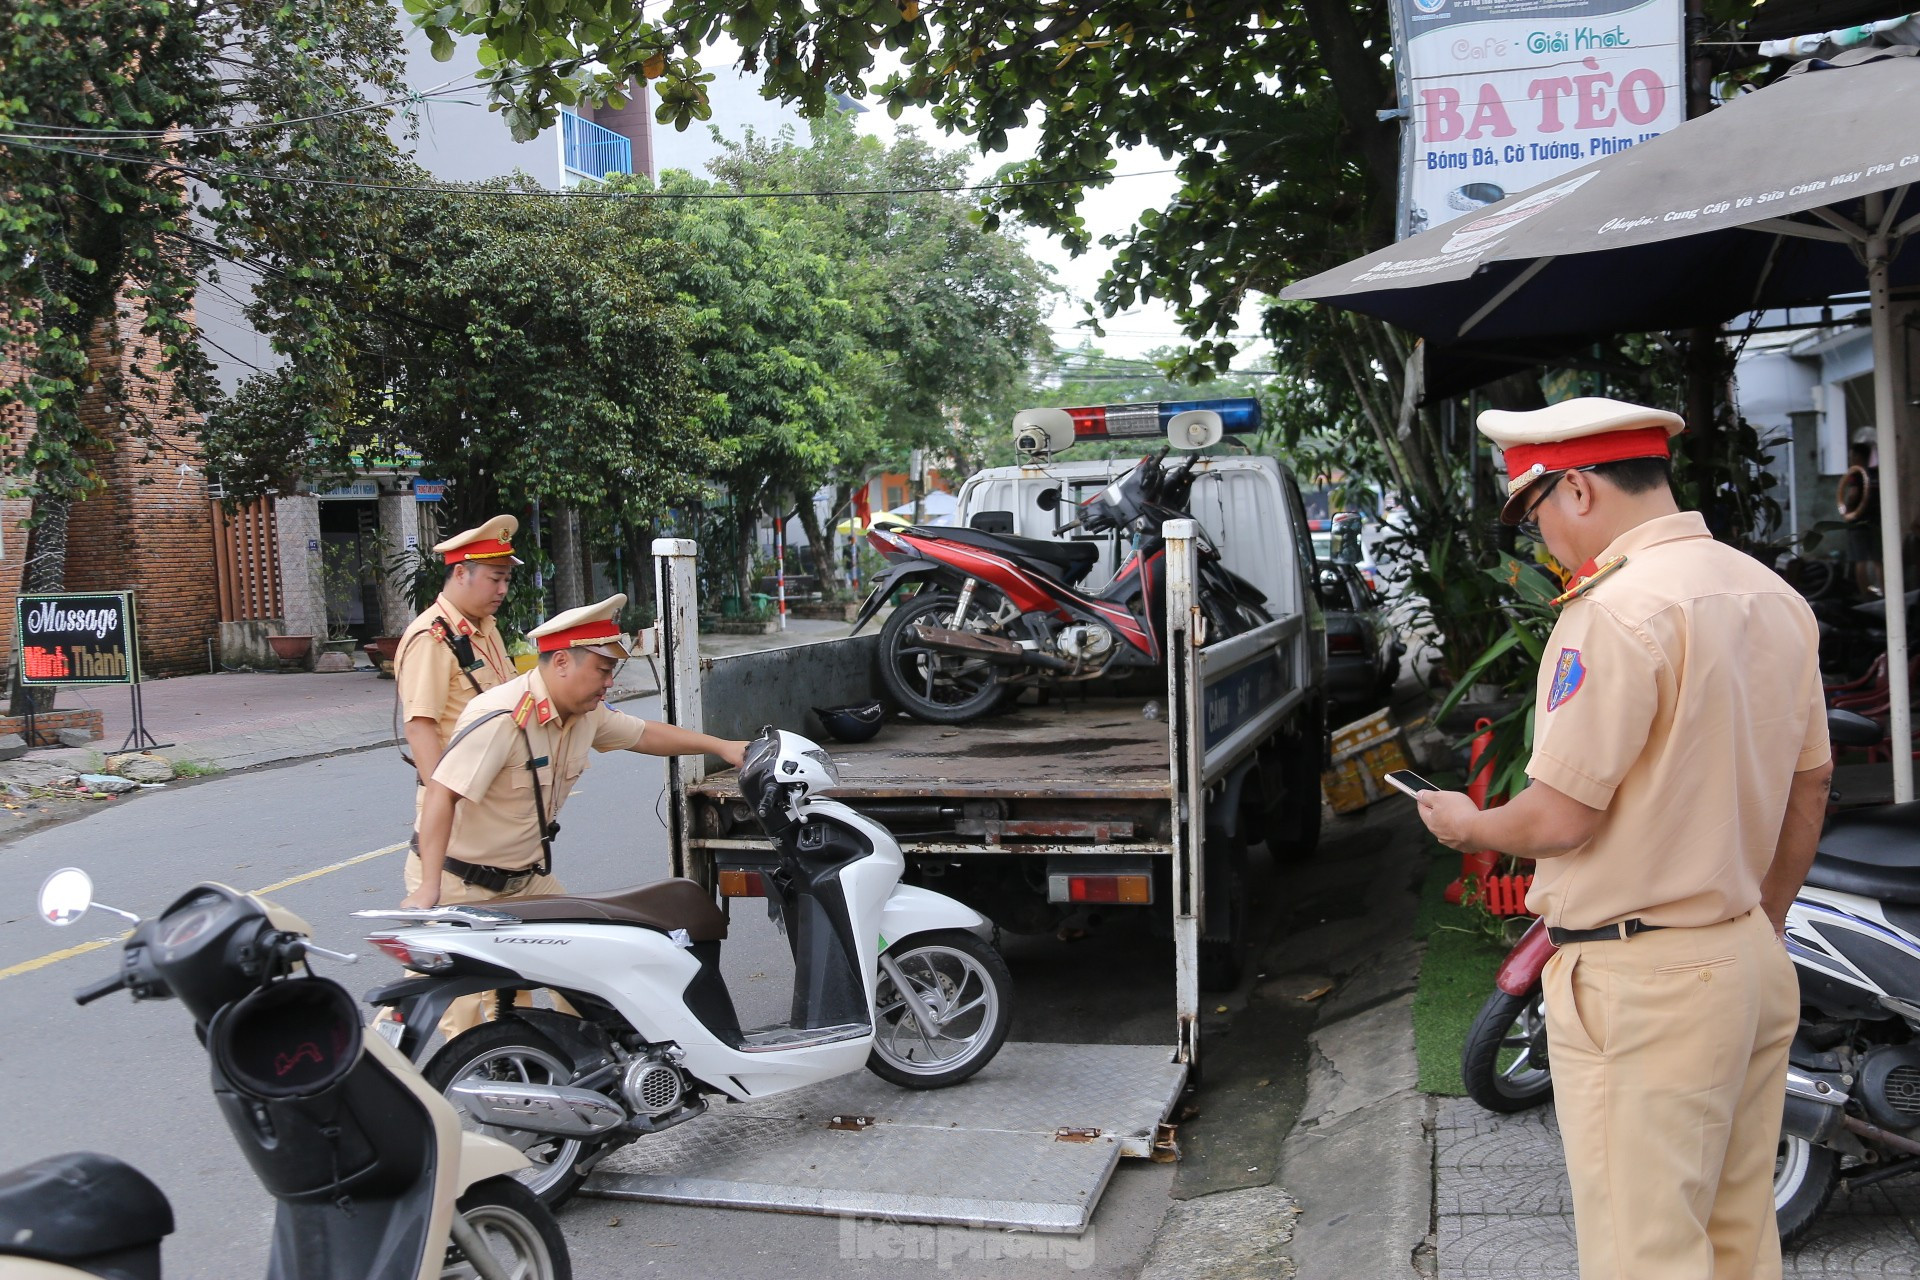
[[1480, 770]]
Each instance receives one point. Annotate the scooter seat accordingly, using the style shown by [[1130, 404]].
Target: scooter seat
[[86, 1211], [665, 905], [1873, 852], [1067, 560]]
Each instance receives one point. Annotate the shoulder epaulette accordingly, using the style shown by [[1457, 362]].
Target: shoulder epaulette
[[1581, 586], [523, 709]]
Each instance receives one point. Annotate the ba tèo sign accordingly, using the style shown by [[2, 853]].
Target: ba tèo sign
[[1502, 95], [76, 638]]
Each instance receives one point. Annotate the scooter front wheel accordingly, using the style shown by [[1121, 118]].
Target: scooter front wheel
[[513, 1226], [964, 988], [1504, 1061]]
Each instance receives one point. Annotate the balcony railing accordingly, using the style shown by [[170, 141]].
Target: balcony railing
[[591, 151]]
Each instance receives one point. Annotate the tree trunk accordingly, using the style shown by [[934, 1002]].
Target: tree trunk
[[45, 570], [826, 558], [569, 564], [746, 521]]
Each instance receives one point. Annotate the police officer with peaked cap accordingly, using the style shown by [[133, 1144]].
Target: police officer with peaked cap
[[492, 808], [1678, 780], [453, 651]]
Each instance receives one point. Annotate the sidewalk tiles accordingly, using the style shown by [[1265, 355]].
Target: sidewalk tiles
[[1503, 1210]]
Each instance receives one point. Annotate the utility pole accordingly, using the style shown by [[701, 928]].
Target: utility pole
[[917, 473], [1702, 357]]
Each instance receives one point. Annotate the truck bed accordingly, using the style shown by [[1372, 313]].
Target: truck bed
[[1098, 749]]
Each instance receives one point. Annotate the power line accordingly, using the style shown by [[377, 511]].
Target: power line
[[211, 173], [81, 133]]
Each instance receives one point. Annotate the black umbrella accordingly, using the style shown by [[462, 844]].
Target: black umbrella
[[1785, 196]]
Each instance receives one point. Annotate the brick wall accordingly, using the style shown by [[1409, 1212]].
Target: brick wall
[[149, 531], [48, 724]]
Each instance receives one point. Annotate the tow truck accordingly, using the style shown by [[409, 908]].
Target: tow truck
[[1042, 810]]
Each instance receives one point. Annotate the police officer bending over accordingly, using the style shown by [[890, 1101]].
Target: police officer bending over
[[517, 752]]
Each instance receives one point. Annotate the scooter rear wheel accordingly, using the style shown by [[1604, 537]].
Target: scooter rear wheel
[[1804, 1177], [509, 1050], [969, 994], [517, 1229], [940, 688]]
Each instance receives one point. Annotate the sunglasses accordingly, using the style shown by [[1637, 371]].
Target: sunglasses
[[1528, 526]]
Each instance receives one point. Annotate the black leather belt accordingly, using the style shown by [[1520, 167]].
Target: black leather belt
[[1611, 932], [492, 879]]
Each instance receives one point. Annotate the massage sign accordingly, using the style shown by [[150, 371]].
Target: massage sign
[[1502, 95], [77, 639]]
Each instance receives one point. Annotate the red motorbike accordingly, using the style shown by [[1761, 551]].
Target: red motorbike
[[992, 613]]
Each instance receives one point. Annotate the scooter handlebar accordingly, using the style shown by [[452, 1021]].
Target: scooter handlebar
[[96, 990]]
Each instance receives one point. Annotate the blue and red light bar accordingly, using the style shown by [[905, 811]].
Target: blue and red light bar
[[1239, 415]]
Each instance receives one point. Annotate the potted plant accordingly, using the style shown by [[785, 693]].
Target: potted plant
[[290, 648], [343, 570]]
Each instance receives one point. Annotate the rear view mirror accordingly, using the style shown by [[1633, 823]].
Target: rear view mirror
[[65, 897], [1048, 499]]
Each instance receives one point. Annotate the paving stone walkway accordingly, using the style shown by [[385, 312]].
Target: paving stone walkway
[[1504, 1212]]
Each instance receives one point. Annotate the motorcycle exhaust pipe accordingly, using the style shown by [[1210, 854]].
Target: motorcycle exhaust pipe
[[1815, 1109], [965, 644], [539, 1108], [1874, 1133]]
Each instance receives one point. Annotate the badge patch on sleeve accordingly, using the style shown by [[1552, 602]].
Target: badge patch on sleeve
[[1568, 674]]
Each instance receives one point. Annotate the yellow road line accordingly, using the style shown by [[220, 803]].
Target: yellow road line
[[68, 953], [317, 872], [55, 957]]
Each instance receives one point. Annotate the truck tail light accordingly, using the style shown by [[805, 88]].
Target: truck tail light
[[742, 884], [1345, 644], [1129, 889], [420, 959]]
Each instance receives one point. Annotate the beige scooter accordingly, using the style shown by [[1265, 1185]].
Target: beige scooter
[[374, 1176]]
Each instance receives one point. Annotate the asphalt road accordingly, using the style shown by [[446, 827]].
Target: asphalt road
[[130, 1079]]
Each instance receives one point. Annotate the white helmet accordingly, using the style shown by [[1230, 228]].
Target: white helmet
[[780, 772]]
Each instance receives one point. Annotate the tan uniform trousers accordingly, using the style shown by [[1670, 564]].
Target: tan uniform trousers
[[468, 1012], [1669, 1054]]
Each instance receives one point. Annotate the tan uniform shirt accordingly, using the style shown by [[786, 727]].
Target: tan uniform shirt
[[1680, 693], [430, 681], [494, 825]]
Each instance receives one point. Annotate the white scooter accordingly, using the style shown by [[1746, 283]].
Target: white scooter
[[374, 1178], [886, 975]]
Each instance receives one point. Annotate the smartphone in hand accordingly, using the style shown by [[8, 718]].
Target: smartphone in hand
[[1408, 781]]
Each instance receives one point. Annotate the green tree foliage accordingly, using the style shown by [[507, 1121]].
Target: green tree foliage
[[955, 312], [143, 142], [783, 377], [532, 348], [949, 315]]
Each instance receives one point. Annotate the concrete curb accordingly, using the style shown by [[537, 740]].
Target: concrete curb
[[1360, 1161], [1230, 1235]]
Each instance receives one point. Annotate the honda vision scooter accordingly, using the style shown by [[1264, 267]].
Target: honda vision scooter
[[374, 1178], [887, 976]]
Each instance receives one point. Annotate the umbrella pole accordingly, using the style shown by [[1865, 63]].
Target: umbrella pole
[[1900, 730]]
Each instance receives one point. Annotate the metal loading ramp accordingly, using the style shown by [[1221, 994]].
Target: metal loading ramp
[[1029, 1143]]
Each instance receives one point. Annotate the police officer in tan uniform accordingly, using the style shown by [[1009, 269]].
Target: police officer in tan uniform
[[453, 651], [1678, 780], [488, 816]]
